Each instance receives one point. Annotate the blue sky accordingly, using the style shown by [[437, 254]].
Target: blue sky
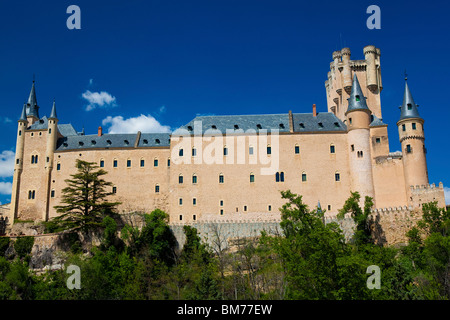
[[159, 63]]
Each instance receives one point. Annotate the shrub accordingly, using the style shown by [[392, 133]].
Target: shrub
[[23, 246], [4, 244]]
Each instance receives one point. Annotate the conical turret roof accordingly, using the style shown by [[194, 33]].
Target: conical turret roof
[[409, 108], [357, 100], [32, 107]]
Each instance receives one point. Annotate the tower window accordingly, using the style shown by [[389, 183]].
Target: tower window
[[194, 217], [409, 106], [58, 166], [350, 120], [225, 151], [221, 203], [180, 179], [377, 140], [329, 207], [352, 147], [102, 163], [142, 162], [414, 126], [50, 131], [180, 201], [332, 149], [337, 176], [221, 212], [408, 148], [115, 163], [157, 188], [250, 150], [194, 179], [304, 178], [155, 162], [180, 152], [357, 98], [279, 177], [269, 149], [245, 208], [128, 163], [403, 127], [221, 178], [269, 208], [194, 152], [17, 161], [168, 162], [181, 217], [252, 177], [114, 190], [52, 193], [194, 201], [297, 149]]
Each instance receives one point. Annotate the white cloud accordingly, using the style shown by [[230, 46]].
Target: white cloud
[[143, 123], [447, 195], [99, 99], [7, 163], [5, 187]]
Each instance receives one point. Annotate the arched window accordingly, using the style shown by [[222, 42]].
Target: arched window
[[337, 176], [225, 150], [281, 176], [277, 177], [304, 177]]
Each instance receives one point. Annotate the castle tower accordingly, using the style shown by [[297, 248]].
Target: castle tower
[[32, 107], [18, 166], [412, 137], [346, 80], [360, 159], [52, 136]]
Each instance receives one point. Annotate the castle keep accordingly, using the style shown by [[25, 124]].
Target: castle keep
[[234, 167]]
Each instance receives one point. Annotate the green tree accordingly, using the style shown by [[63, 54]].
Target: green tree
[[360, 216], [85, 198], [23, 246]]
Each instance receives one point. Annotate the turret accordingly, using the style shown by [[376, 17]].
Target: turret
[[412, 139], [358, 122], [18, 165], [346, 71], [370, 53], [52, 136], [32, 107]]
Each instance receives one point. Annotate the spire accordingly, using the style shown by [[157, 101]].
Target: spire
[[23, 116], [409, 108], [357, 101], [53, 113], [32, 107]]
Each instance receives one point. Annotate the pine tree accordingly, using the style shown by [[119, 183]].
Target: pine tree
[[84, 198]]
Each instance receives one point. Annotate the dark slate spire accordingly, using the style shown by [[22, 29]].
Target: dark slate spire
[[409, 108], [53, 113], [357, 101], [23, 116], [32, 107]]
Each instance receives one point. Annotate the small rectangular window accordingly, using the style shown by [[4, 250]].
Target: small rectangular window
[[194, 179], [156, 189], [194, 217], [52, 193], [58, 166], [168, 162], [180, 152], [194, 152], [403, 127], [155, 162], [128, 163], [303, 177], [181, 217], [245, 208], [377, 140], [350, 120], [269, 150], [352, 147], [332, 149], [297, 149], [252, 178], [337, 177], [142, 162], [269, 208], [115, 163], [180, 201], [408, 148], [180, 179], [250, 150], [221, 179], [194, 201], [225, 151], [114, 190], [329, 207], [221, 203], [413, 126], [221, 211], [102, 163]]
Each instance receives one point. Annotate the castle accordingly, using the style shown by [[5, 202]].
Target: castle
[[234, 167]]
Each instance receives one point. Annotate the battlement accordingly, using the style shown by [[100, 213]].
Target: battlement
[[426, 188]]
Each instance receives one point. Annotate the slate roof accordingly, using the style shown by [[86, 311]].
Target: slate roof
[[64, 129], [409, 108], [356, 101], [120, 140], [303, 122], [377, 122]]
